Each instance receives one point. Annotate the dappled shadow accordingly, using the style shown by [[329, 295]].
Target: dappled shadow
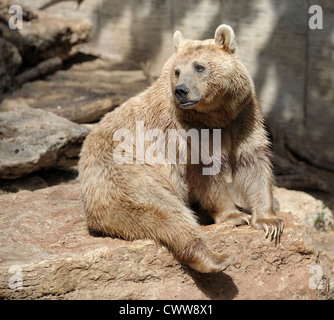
[[286, 63], [282, 62], [150, 20]]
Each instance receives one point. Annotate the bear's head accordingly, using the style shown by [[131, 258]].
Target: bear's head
[[207, 76]]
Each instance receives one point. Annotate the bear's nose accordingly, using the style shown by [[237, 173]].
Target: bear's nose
[[181, 91]]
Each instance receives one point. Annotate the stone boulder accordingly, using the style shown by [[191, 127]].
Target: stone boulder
[[83, 93], [32, 139], [317, 217], [40, 47], [47, 253], [50, 36]]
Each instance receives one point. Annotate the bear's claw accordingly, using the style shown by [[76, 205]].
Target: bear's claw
[[273, 227]]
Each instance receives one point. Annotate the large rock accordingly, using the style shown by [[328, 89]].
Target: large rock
[[39, 47], [50, 36], [47, 253], [317, 217], [32, 139], [84, 93]]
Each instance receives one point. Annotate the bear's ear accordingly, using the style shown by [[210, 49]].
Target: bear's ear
[[177, 40], [225, 38]]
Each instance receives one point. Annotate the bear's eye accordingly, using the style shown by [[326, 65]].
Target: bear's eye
[[177, 72], [199, 68]]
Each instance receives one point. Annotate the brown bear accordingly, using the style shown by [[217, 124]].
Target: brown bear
[[146, 162]]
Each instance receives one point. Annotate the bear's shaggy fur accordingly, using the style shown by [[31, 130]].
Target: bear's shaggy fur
[[202, 86]]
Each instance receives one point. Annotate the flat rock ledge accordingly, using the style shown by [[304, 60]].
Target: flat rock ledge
[[32, 139], [47, 252]]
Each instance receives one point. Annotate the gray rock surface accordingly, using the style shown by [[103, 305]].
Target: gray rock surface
[[42, 39], [50, 36], [317, 217], [32, 139], [84, 93]]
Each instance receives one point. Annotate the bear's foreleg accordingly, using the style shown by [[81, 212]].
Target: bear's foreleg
[[252, 178], [213, 196]]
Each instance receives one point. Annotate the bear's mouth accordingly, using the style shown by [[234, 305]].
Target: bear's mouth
[[188, 104]]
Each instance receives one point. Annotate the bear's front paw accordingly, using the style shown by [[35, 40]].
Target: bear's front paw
[[273, 226], [235, 219]]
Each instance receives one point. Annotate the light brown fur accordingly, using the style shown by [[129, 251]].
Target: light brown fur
[[137, 201]]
